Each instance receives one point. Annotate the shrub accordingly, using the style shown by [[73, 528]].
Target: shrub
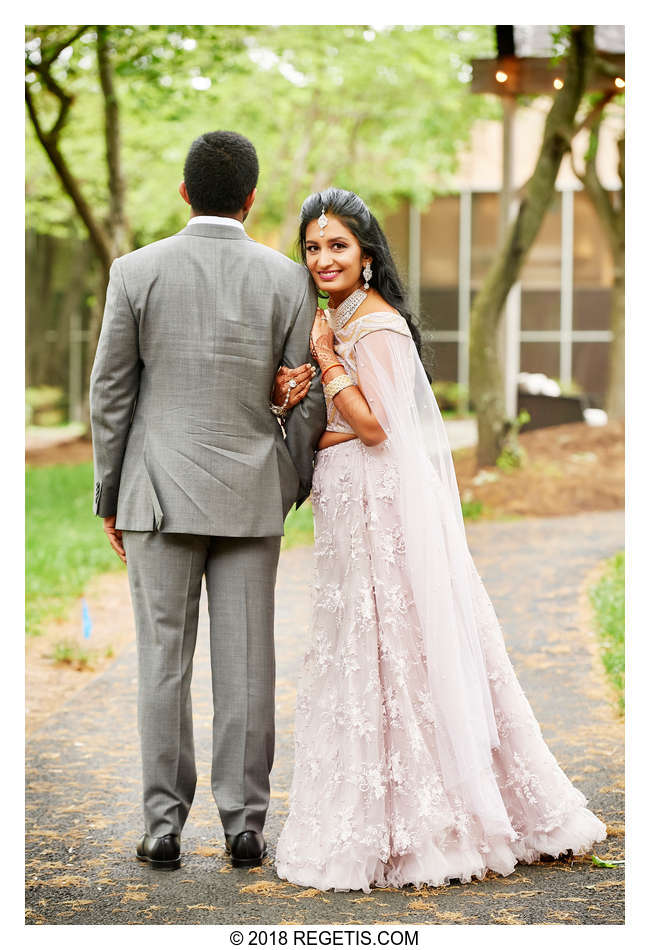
[[450, 396], [608, 600], [44, 405]]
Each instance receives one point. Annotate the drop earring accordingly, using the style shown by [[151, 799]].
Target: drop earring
[[367, 274]]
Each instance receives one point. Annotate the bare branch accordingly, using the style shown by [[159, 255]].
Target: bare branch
[[596, 113], [605, 68], [31, 108], [71, 186], [63, 44], [64, 98], [621, 165], [580, 176], [43, 70], [611, 219]]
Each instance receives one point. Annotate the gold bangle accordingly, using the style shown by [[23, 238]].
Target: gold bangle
[[342, 381]]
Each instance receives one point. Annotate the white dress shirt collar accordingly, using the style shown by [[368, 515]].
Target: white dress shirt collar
[[215, 219]]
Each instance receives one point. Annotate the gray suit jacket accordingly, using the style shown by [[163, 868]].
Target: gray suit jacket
[[194, 329]]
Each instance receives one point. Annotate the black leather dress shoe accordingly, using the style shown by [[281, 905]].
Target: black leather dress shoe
[[247, 849], [161, 854]]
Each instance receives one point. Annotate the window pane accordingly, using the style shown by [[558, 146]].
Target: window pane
[[396, 229], [485, 233], [592, 261], [439, 242], [542, 267], [540, 309], [540, 358], [590, 369], [441, 359], [439, 309], [591, 309]]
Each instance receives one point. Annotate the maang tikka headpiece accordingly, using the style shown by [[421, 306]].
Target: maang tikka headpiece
[[322, 221]]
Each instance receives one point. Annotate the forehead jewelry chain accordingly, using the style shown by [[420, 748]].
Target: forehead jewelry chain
[[322, 221]]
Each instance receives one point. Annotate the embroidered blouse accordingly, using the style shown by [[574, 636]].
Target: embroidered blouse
[[345, 342]]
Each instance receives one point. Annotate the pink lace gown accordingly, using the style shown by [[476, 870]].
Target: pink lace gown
[[417, 756]]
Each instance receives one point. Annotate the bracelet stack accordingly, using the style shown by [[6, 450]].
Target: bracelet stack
[[281, 411], [342, 381]]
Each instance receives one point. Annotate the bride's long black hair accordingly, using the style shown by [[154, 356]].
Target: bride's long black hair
[[354, 214]]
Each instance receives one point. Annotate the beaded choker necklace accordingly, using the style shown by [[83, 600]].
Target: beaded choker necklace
[[352, 303]]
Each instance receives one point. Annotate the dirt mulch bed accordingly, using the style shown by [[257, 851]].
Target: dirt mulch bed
[[568, 469], [71, 452], [49, 684]]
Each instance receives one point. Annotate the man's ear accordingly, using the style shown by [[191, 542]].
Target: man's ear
[[183, 193], [248, 204]]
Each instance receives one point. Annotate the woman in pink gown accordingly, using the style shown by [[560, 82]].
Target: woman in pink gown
[[418, 759]]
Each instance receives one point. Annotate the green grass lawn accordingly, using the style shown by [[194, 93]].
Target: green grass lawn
[[66, 545], [608, 600], [299, 527], [65, 542]]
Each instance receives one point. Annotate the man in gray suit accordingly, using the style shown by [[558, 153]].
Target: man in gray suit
[[194, 477]]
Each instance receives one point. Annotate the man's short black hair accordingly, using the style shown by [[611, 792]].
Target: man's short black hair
[[221, 170]]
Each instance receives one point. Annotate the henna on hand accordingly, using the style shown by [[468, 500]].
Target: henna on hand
[[303, 376], [323, 351], [321, 340]]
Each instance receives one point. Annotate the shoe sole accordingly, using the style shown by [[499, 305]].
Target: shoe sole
[[247, 862], [171, 865]]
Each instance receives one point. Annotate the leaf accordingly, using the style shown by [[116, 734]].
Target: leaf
[[599, 863]]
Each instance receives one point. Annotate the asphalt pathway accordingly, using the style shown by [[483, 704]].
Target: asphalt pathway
[[83, 774]]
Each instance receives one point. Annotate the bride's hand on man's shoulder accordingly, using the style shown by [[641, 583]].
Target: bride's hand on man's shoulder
[[302, 375]]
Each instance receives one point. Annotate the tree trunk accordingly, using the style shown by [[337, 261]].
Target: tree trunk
[[118, 228], [485, 371], [611, 214], [615, 403], [615, 400]]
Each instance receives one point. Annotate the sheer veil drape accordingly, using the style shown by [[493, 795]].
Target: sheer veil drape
[[439, 567]]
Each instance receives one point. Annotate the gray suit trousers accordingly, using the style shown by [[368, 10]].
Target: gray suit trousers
[[165, 576]]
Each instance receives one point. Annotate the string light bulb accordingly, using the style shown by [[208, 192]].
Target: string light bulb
[[501, 76], [558, 83], [620, 83]]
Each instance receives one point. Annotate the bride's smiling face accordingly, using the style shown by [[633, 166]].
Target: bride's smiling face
[[335, 259]]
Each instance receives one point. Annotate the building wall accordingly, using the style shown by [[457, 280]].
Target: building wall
[[564, 317], [541, 286]]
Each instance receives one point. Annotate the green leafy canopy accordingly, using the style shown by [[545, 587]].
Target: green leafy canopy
[[381, 110]]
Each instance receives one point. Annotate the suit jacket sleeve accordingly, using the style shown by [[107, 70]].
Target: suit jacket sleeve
[[307, 420], [114, 384]]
